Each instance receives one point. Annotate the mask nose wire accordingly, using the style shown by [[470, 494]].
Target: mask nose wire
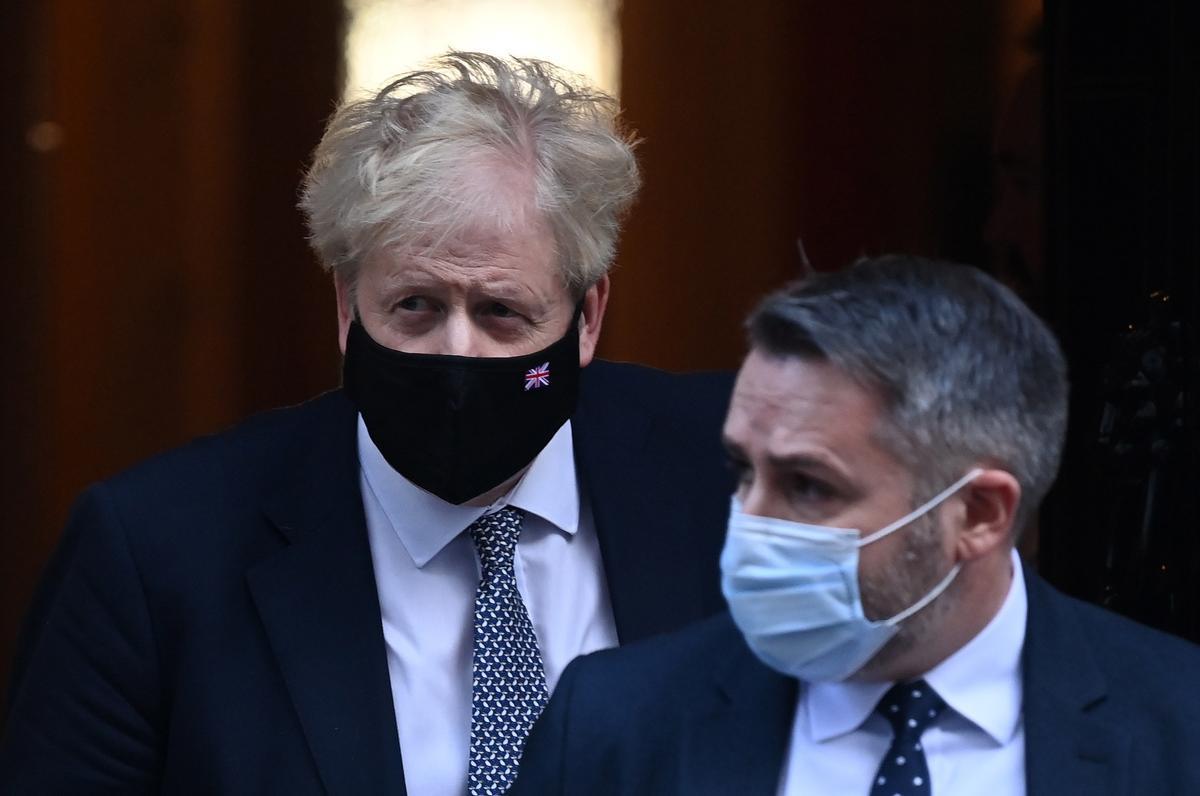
[[920, 510]]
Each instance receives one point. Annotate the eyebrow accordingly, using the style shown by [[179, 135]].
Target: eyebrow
[[803, 461], [797, 461], [507, 291], [504, 290]]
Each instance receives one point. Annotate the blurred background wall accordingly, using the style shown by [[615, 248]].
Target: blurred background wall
[[157, 283]]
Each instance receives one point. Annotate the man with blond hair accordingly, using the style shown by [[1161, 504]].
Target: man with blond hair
[[376, 591]]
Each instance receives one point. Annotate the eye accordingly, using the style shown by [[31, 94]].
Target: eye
[[740, 469], [807, 489], [499, 310], [414, 304]]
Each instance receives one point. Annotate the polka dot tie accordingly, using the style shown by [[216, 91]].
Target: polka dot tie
[[508, 682], [909, 708]]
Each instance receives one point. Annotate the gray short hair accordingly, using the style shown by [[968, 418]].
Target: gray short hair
[[397, 169], [965, 371]]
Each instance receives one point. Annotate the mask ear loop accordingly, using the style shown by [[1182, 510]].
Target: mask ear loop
[[920, 510], [927, 599]]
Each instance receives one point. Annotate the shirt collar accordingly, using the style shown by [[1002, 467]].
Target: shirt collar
[[838, 708], [425, 523], [981, 681]]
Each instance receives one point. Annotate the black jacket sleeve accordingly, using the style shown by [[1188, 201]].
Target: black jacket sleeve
[[85, 703]]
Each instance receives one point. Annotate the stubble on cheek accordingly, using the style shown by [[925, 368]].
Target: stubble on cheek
[[915, 573]]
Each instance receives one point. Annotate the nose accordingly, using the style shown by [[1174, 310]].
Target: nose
[[462, 337]]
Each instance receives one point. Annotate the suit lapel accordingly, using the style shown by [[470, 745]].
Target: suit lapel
[[737, 742], [1069, 749], [319, 606], [651, 508]]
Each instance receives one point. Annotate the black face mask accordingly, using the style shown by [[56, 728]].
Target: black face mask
[[459, 426]]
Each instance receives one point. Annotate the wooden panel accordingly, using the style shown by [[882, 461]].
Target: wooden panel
[[291, 69], [22, 415], [114, 291], [165, 289], [863, 127]]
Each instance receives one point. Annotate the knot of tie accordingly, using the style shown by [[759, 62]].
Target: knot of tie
[[495, 536], [910, 708]]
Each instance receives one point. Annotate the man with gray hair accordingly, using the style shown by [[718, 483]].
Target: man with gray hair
[[893, 427], [376, 591]]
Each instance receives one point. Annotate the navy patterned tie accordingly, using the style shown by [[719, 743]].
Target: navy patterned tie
[[508, 682], [909, 708]]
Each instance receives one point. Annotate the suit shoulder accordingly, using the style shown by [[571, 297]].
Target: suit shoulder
[[671, 662], [261, 435], [686, 400], [1120, 632], [214, 485], [1133, 653], [620, 375]]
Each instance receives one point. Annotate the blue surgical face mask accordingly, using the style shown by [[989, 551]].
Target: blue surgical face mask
[[792, 589]]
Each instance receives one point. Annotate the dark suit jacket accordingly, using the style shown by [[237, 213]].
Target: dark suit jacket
[[1110, 708], [210, 623]]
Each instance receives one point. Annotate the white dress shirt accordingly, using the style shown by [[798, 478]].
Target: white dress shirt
[[427, 570], [976, 747]]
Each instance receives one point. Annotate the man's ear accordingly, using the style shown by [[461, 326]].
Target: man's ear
[[345, 307], [989, 507], [595, 302]]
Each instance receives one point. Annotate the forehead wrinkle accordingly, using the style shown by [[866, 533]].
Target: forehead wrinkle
[[787, 447], [494, 278]]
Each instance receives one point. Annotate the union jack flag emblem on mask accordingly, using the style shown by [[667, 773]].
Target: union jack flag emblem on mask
[[538, 377]]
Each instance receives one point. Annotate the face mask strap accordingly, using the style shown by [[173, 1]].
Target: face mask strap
[[920, 510], [927, 599]]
